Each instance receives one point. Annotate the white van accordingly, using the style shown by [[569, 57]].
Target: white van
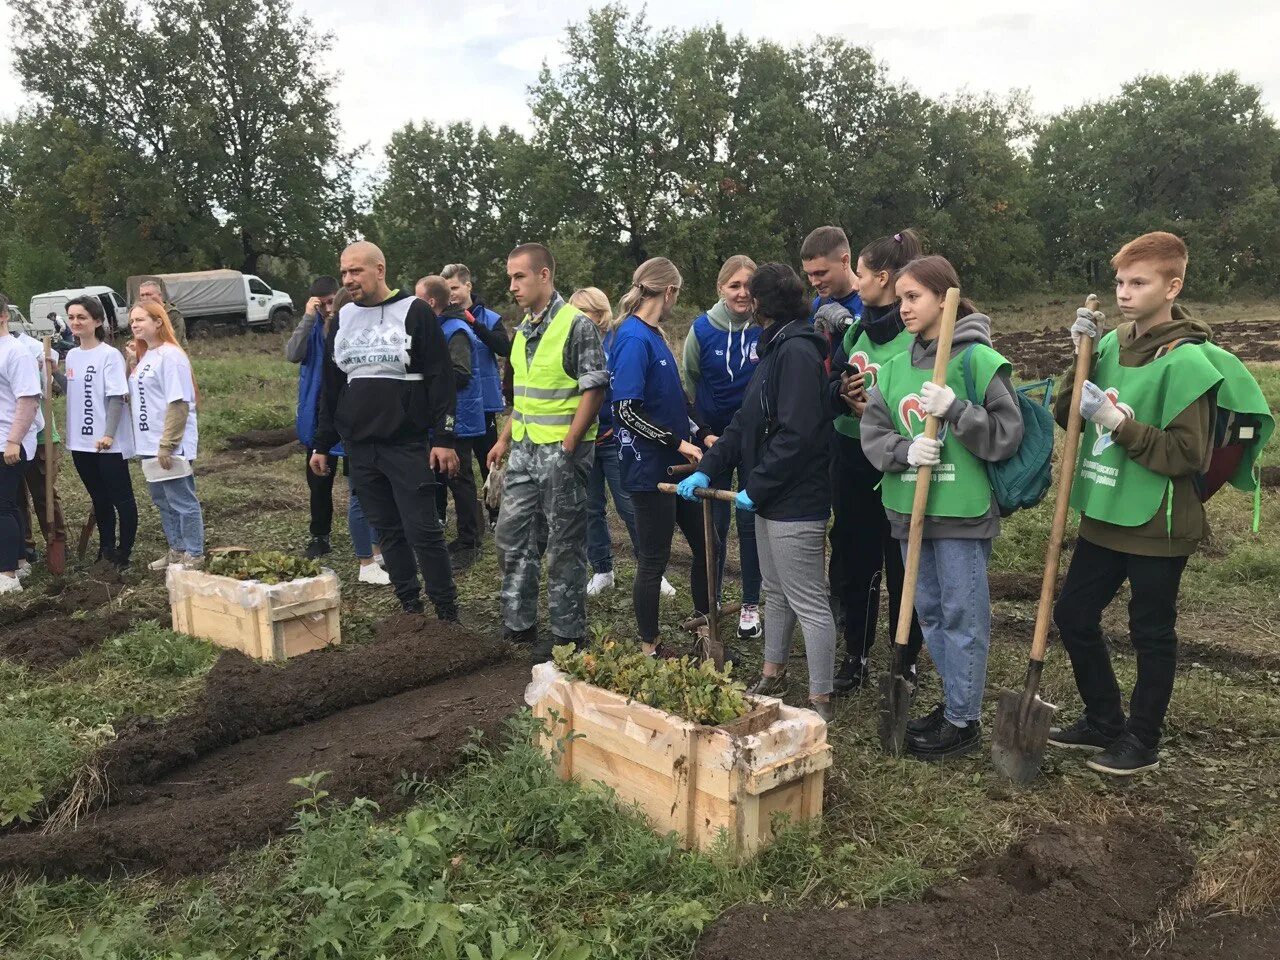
[[55, 301]]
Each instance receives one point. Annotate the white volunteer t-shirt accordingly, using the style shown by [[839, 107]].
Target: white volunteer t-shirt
[[373, 341], [161, 377], [92, 377], [19, 377]]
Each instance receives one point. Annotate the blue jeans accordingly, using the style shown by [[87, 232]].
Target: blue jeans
[[180, 514], [954, 605], [749, 560], [599, 542], [363, 536]]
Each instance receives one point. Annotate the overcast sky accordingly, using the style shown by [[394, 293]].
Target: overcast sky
[[427, 59]]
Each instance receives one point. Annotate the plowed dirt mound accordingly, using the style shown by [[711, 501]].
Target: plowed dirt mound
[[73, 616], [1070, 892], [181, 795]]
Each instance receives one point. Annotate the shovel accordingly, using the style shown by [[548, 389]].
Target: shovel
[[895, 689], [56, 560], [1021, 730], [715, 646]]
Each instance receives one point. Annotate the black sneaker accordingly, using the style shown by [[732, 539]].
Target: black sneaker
[[318, 547], [413, 606], [464, 558], [1081, 735], [930, 721], [447, 614], [525, 637], [946, 741], [851, 677], [1125, 757], [543, 650], [460, 546]]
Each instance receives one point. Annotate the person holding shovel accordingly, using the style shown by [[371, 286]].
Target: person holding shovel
[[1163, 407], [778, 441], [962, 517], [40, 473], [20, 421], [651, 414]]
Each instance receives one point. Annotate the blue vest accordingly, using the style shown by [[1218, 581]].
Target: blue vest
[[726, 361], [468, 419], [310, 376], [490, 378]]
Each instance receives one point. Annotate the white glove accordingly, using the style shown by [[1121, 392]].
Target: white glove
[[1086, 325], [924, 452], [1096, 407], [936, 400], [832, 318]]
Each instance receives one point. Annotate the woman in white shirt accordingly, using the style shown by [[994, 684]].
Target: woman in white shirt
[[162, 397], [97, 391], [20, 420]]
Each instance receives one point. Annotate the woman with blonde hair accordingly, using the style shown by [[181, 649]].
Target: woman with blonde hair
[[652, 418], [720, 354], [162, 394]]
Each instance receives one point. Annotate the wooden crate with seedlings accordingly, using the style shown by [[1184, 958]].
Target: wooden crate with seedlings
[[266, 621], [692, 779]]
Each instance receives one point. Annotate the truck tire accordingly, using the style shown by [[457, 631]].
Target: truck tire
[[199, 329], [281, 320]]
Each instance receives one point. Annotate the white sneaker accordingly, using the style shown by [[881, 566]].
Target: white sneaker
[[24, 570], [172, 558], [667, 589], [374, 574], [10, 584], [600, 582], [749, 622], [191, 561], [381, 561]]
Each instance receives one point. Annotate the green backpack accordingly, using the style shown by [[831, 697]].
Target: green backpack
[[1024, 479]]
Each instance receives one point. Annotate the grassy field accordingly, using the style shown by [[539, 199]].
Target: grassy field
[[503, 861]]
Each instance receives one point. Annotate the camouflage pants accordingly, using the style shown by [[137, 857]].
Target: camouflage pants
[[544, 511]]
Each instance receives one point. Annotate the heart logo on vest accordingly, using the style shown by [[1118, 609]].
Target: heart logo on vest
[[1105, 439], [911, 413], [862, 363]]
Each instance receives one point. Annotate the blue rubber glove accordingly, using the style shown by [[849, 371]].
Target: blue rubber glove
[[743, 502], [691, 483]]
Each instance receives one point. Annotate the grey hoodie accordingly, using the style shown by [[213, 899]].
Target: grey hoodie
[[991, 431], [722, 318]]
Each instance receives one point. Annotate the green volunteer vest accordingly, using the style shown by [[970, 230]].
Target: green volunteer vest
[[1109, 485], [545, 396], [868, 356], [959, 486], [1240, 393]]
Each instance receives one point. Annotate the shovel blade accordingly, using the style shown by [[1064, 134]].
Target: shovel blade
[[56, 557], [1020, 735], [895, 711]]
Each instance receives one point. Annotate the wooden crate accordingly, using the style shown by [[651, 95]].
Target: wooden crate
[[266, 621], [688, 778]]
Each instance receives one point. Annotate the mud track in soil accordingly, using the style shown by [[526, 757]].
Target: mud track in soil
[[45, 634], [1071, 892], [186, 793]]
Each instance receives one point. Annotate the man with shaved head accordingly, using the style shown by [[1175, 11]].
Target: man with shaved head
[[389, 395]]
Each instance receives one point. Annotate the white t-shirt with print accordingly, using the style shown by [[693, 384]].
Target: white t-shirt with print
[[19, 377], [92, 377], [373, 341], [163, 376]]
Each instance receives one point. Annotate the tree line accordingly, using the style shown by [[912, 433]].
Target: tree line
[[188, 134]]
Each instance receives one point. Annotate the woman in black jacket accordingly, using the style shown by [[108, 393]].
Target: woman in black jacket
[[780, 441]]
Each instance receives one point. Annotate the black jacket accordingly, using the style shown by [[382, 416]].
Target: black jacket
[[385, 409], [781, 436]]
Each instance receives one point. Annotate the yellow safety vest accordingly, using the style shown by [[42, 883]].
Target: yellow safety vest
[[546, 397]]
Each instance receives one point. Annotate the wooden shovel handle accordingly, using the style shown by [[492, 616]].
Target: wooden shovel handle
[[48, 433], [924, 475], [706, 493], [1062, 502]]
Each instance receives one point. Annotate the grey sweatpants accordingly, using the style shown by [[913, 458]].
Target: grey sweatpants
[[795, 587]]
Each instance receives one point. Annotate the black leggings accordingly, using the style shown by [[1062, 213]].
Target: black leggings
[[657, 515], [11, 543], [106, 477]]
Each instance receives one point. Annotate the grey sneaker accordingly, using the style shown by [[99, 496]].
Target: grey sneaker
[[825, 709], [172, 558], [191, 561], [774, 686]]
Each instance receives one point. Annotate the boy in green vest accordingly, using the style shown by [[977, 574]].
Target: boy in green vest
[[559, 378], [1157, 393]]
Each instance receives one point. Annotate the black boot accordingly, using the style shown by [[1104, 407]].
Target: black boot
[[946, 741], [521, 637], [851, 677], [447, 614], [930, 721]]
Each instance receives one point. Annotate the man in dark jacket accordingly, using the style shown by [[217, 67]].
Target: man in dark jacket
[[388, 385]]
